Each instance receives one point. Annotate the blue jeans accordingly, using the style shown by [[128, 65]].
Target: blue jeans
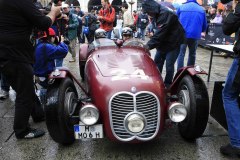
[[142, 32], [192, 45], [170, 58], [231, 106], [59, 62], [4, 84], [109, 33]]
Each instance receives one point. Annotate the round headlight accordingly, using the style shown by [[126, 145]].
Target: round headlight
[[177, 112], [89, 114], [135, 123]]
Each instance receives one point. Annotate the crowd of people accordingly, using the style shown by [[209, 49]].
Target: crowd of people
[[169, 31]]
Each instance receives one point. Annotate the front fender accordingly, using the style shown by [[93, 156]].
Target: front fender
[[189, 70], [83, 54], [62, 73]]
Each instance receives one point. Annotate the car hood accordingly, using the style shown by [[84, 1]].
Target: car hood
[[114, 61]]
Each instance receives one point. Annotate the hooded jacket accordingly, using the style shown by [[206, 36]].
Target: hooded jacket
[[108, 18], [169, 33], [193, 19], [45, 54]]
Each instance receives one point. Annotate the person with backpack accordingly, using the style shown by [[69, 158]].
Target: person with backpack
[[71, 30], [106, 17], [89, 21]]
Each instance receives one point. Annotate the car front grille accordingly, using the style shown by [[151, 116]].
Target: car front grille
[[123, 103]]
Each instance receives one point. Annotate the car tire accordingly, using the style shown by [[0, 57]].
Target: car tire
[[61, 103], [192, 92]]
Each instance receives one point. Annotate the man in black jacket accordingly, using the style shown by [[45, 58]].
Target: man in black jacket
[[17, 20], [231, 89], [168, 36]]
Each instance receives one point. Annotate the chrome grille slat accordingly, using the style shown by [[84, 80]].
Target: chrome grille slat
[[119, 113], [119, 109], [123, 103], [146, 109]]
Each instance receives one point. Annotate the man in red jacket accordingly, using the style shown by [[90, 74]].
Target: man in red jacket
[[106, 17]]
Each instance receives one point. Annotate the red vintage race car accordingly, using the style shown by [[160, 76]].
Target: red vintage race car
[[125, 98]]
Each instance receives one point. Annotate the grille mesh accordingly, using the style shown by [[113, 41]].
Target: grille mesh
[[125, 103]]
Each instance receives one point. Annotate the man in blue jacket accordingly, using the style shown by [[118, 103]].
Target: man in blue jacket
[[194, 21]]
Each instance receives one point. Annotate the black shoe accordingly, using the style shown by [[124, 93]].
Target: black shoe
[[230, 150], [34, 133]]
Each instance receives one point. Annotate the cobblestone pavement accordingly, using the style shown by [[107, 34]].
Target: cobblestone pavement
[[169, 146]]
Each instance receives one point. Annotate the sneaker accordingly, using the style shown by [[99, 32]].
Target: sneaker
[[33, 133], [72, 60], [4, 94], [230, 150]]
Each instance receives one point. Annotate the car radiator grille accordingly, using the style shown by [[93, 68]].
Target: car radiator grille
[[124, 103]]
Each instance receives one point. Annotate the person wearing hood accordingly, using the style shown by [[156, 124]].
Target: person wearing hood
[[167, 38], [193, 19]]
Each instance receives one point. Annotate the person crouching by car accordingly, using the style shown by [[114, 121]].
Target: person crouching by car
[[45, 54], [167, 39]]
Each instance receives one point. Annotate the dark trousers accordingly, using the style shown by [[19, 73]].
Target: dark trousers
[[170, 58], [4, 84], [20, 77]]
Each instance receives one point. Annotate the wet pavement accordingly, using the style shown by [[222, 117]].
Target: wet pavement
[[170, 145]]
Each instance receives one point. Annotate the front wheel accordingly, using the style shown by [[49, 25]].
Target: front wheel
[[192, 92], [61, 104]]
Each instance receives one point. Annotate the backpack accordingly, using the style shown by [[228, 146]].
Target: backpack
[[86, 28], [115, 20]]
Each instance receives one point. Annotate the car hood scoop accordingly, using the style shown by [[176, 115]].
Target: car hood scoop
[[122, 61]]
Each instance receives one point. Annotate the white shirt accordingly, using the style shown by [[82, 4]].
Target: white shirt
[[119, 23], [128, 19]]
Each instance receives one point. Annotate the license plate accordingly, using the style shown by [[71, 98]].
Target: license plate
[[86, 132]]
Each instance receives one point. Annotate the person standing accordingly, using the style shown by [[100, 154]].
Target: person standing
[[89, 20], [128, 20], [167, 38], [118, 29], [17, 57], [106, 17], [80, 14], [142, 23], [193, 19], [231, 90], [71, 30]]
